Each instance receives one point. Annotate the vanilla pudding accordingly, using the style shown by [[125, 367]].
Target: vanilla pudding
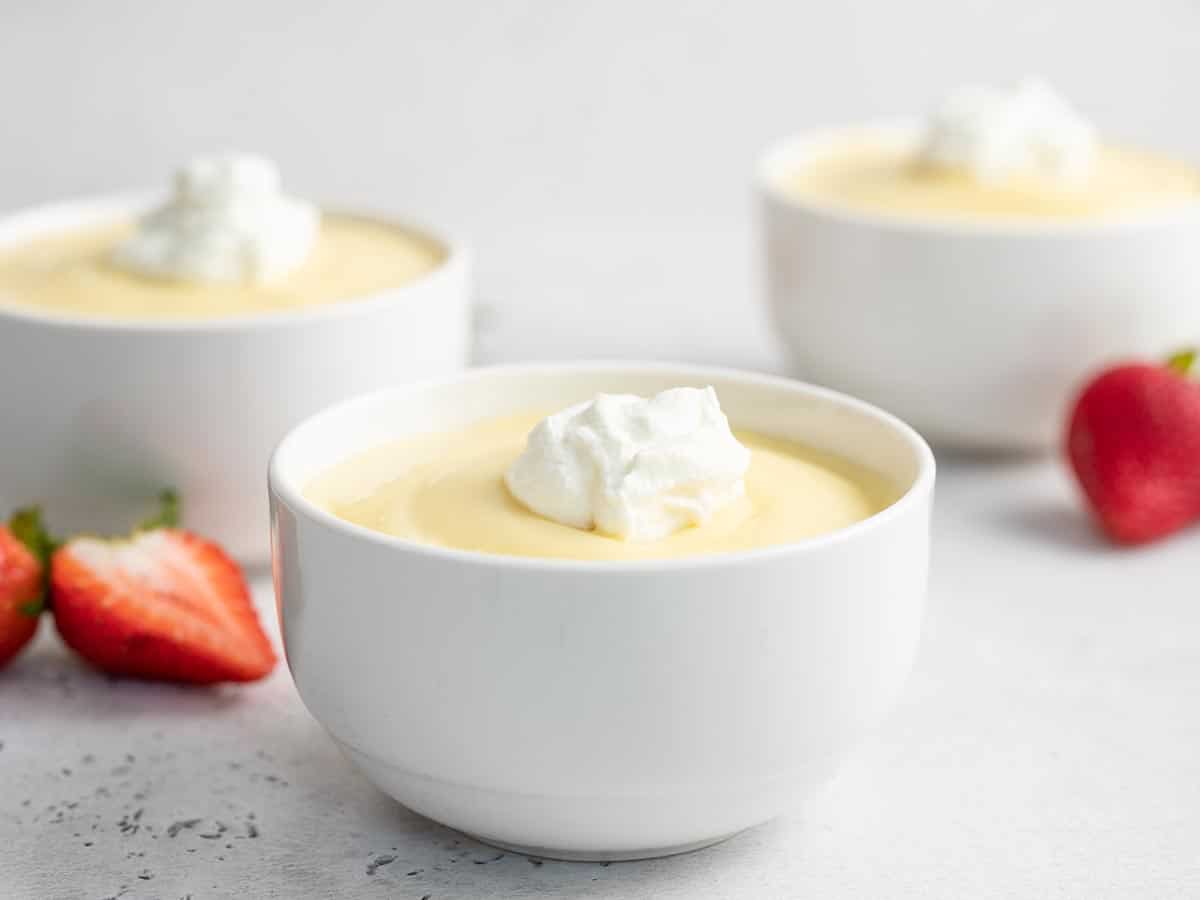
[[968, 268], [188, 329], [74, 274], [612, 709], [448, 489], [227, 242], [877, 175], [986, 153]]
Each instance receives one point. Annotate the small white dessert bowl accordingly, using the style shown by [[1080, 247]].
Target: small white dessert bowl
[[101, 414], [976, 331], [600, 710]]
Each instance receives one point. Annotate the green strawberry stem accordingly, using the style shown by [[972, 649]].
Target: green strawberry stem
[[1182, 361], [167, 515], [27, 527]]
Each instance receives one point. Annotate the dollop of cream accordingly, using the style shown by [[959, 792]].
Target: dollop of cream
[[631, 467], [227, 220], [994, 134]]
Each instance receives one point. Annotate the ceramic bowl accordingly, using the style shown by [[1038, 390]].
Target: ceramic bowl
[[599, 710], [977, 332], [101, 414]]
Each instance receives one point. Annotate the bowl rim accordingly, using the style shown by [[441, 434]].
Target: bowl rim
[[32, 221], [282, 489], [790, 153]]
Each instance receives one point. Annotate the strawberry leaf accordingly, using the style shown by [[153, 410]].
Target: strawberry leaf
[[1182, 362], [167, 515], [26, 526]]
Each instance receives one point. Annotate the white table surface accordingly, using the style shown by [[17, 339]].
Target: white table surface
[[1048, 746]]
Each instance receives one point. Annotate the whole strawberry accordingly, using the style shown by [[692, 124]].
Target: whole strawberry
[[1134, 443], [162, 603], [24, 550]]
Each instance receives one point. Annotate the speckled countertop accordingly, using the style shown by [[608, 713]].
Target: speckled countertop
[[1048, 746]]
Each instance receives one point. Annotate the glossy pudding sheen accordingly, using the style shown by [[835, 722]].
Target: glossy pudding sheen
[[72, 274], [448, 490], [881, 176]]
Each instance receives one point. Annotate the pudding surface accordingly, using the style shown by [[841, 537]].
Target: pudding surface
[[72, 273], [448, 490], [887, 177]]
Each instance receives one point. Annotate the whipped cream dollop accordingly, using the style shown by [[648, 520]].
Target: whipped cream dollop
[[994, 133], [227, 220], [631, 467]]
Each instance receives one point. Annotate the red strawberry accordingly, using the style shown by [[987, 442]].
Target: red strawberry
[[24, 549], [162, 604], [1134, 442]]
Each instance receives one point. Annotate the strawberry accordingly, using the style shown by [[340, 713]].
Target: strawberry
[[24, 549], [160, 604], [1134, 443]]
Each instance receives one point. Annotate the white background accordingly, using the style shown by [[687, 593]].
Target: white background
[[597, 153]]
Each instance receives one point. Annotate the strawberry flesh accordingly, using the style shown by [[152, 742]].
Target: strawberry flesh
[[1134, 444], [163, 604]]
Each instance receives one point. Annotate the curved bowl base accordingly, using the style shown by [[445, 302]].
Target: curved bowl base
[[607, 856]]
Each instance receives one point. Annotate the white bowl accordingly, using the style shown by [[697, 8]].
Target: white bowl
[[101, 414], [977, 332], [599, 709]]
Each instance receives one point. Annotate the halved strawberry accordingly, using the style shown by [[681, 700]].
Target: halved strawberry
[[161, 604], [24, 549]]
